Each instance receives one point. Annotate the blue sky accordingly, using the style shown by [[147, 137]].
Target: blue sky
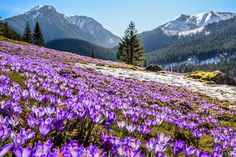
[[115, 15]]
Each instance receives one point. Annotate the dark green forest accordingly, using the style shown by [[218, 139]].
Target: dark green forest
[[228, 67], [82, 47], [7, 32], [218, 42]]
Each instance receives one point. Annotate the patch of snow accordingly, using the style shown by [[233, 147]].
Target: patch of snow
[[37, 8], [91, 31], [36, 15], [111, 40], [190, 32], [220, 92], [79, 21], [207, 32]]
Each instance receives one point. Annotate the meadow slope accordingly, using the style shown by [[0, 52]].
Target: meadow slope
[[49, 106], [220, 92]]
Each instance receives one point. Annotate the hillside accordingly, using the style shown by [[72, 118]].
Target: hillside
[[183, 27], [82, 47], [220, 42], [51, 100], [55, 25]]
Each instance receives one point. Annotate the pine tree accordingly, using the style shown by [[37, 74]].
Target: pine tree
[[38, 36], [6, 32], [1, 27], [27, 36], [131, 50], [93, 54]]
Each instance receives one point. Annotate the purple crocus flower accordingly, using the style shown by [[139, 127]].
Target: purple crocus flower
[[130, 128], [44, 129], [49, 110], [142, 129], [82, 114], [159, 147], [135, 144], [177, 146], [189, 150], [217, 154], [121, 124], [121, 150], [72, 149], [3, 120], [159, 120], [94, 151], [150, 144], [232, 153], [22, 152], [32, 122], [97, 119], [205, 154], [4, 133], [5, 149], [21, 137], [14, 121], [43, 149]]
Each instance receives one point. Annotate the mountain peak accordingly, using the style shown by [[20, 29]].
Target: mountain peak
[[181, 17], [186, 24], [75, 27], [43, 8]]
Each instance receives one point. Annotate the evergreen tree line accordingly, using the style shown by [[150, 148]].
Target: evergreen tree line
[[228, 67], [35, 38], [7, 32], [82, 47], [221, 40]]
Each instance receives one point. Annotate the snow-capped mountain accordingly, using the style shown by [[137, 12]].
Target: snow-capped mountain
[[186, 24], [56, 25]]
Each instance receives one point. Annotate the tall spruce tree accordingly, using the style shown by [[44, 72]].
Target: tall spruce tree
[[38, 36], [130, 49], [1, 27], [93, 54], [6, 32], [27, 36]]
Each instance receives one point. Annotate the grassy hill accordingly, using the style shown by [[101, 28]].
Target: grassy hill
[[48, 102]]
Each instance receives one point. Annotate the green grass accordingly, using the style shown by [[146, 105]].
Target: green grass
[[202, 75], [18, 78], [13, 41]]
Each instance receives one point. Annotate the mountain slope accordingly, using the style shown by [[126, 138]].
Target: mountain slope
[[156, 39], [55, 25], [181, 28], [186, 24], [67, 105], [82, 47], [220, 42]]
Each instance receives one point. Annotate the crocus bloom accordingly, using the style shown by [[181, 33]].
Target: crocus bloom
[[150, 144], [121, 124], [130, 128], [4, 133], [22, 152], [5, 149]]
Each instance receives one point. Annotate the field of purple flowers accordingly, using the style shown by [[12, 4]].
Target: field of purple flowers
[[49, 107]]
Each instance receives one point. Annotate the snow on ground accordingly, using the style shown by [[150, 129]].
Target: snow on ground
[[220, 92]]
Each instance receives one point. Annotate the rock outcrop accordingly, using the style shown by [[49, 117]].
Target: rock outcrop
[[222, 78], [153, 68]]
